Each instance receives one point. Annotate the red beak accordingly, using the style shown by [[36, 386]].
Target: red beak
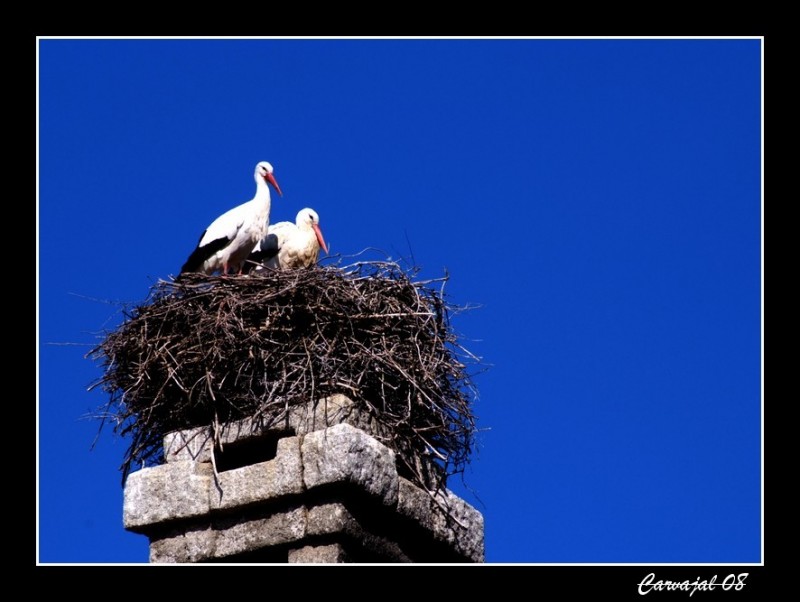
[[321, 240], [271, 179]]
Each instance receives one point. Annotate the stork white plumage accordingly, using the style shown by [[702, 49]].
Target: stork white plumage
[[230, 238], [290, 245]]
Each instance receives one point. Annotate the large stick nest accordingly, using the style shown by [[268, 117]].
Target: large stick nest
[[205, 350]]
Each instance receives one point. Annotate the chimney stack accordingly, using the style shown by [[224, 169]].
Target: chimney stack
[[319, 487]]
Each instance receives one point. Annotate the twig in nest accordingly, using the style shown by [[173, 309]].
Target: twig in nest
[[204, 350]]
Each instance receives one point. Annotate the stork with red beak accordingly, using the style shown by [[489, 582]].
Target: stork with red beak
[[289, 245], [231, 237]]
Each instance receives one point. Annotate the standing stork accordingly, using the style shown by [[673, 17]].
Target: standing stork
[[230, 238], [289, 245]]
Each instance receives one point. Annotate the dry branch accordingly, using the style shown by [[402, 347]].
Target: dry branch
[[204, 350]]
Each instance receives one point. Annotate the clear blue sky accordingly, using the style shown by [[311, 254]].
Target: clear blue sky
[[600, 200]]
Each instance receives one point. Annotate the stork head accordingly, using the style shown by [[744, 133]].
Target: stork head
[[308, 219], [264, 171]]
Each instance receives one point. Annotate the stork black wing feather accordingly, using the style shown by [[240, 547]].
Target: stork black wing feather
[[268, 248], [200, 254]]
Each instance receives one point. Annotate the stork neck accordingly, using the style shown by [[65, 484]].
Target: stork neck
[[262, 190]]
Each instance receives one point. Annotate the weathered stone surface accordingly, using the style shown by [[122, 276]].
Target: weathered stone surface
[[326, 412], [343, 453], [328, 519], [264, 503], [250, 429], [166, 493], [192, 545], [196, 444], [240, 536], [334, 519], [230, 536], [451, 520], [188, 445], [263, 481], [333, 553], [329, 411]]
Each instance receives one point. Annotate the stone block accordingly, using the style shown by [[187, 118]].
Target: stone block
[[263, 481], [333, 553], [196, 444], [449, 518], [229, 536], [169, 492], [189, 445], [324, 492], [249, 429], [192, 545], [344, 454], [239, 536], [330, 519], [327, 412], [335, 520]]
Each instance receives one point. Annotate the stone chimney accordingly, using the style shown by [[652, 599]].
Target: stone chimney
[[317, 487]]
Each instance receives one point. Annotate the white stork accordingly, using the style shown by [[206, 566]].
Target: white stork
[[289, 245], [230, 238]]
